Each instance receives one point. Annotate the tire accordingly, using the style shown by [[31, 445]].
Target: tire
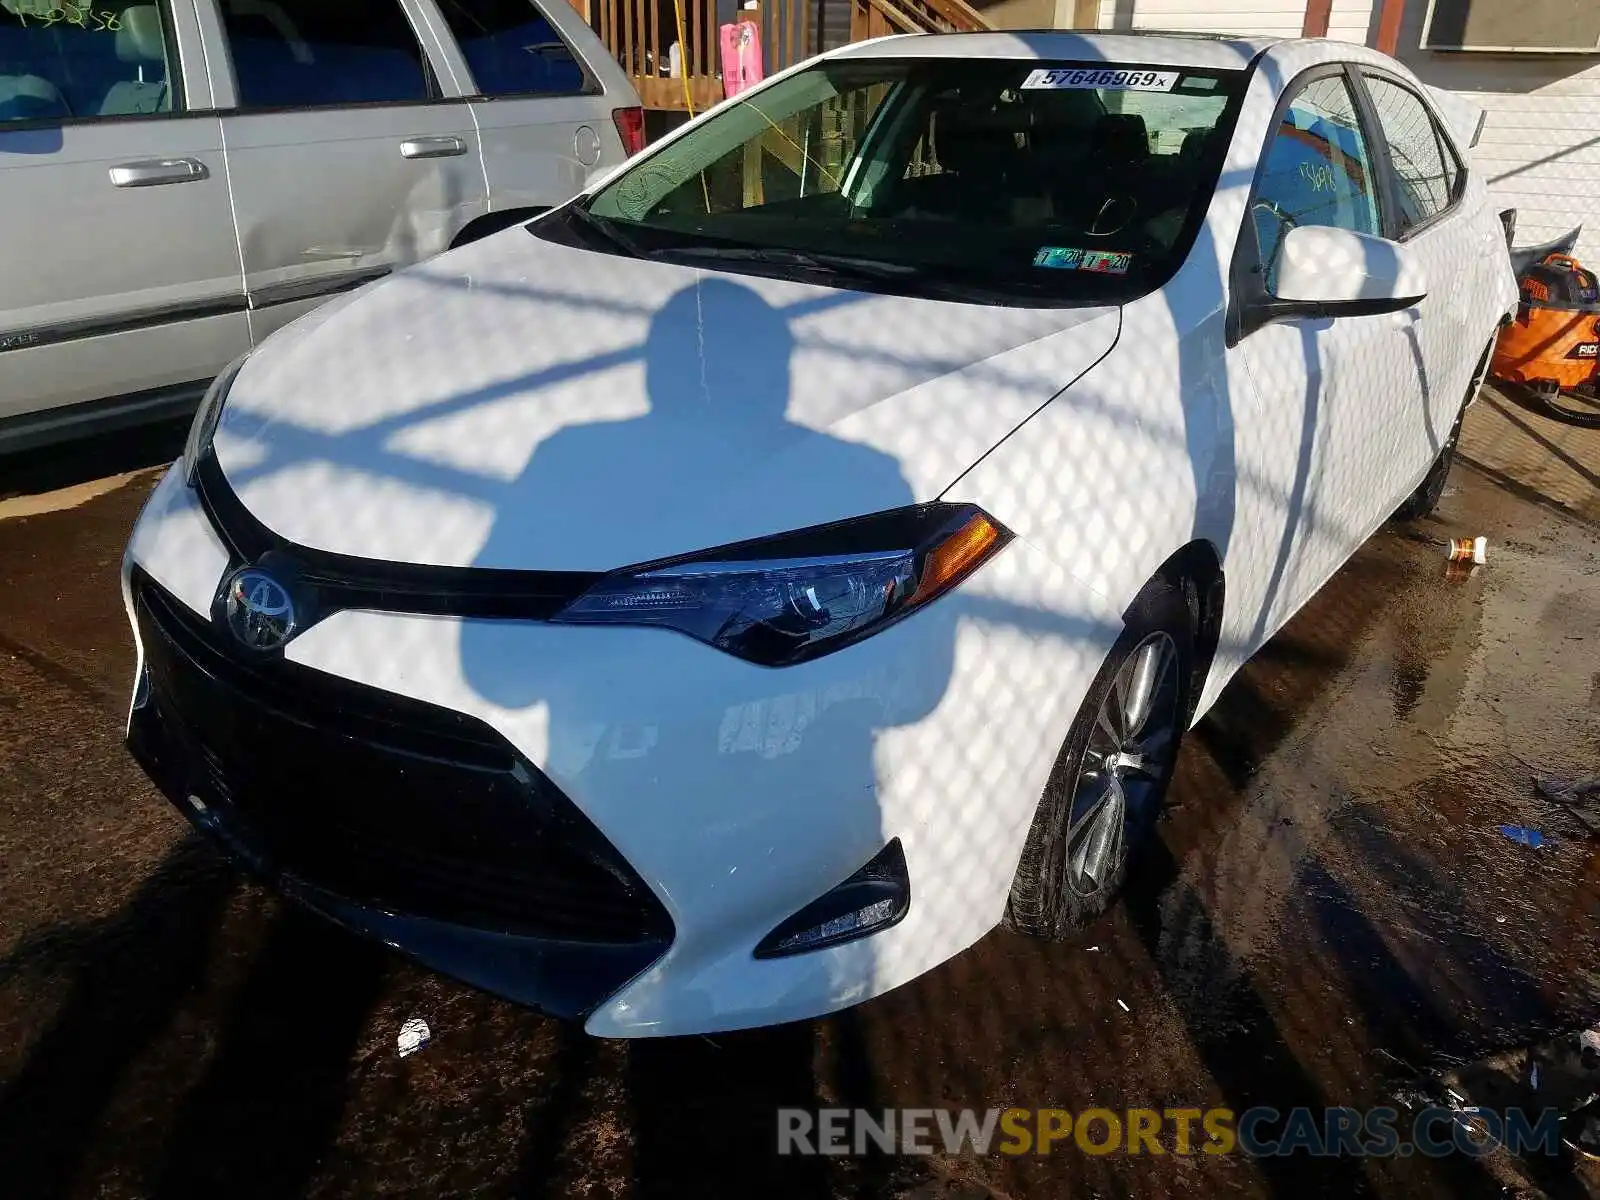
[[1425, 499], [1051, 898]]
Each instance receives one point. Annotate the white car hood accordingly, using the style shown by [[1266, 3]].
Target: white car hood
[[522, 404]]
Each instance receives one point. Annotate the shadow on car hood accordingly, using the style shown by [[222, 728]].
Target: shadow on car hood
[[522, 404]]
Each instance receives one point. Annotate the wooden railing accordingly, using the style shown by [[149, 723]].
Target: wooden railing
[[643, 33], [875, 18]]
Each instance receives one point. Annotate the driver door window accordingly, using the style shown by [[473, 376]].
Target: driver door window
[[1317, 170]]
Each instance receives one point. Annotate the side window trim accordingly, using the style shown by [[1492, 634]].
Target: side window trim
[[179, 111], [1447, 154], [1390, 207], [1246, 274]]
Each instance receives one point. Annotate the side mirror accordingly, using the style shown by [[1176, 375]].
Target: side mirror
[[1325, 272]]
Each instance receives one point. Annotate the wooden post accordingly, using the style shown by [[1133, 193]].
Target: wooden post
[[860, 11], [754, 193], [753, 190], [1318, 14], [1389, 19]]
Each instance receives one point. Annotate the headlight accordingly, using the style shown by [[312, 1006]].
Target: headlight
[[206, 417], [787, 599]]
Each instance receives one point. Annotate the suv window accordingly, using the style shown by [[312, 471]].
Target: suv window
[[1317, 171], [60, 60], [1426, 170], [311, 53], [512, 48]]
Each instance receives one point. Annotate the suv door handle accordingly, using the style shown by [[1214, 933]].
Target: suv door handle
[[432, 147], [158, 171]]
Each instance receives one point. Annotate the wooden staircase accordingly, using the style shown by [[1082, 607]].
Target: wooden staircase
[[643, 33], [877, 18]]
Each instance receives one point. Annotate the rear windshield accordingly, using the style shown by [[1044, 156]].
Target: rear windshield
[[1018, 181]]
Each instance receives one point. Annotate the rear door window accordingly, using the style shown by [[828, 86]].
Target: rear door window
[[64, 61], [316, 53], [512, 48]]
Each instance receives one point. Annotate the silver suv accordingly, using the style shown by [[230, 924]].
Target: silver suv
[[180, 178]]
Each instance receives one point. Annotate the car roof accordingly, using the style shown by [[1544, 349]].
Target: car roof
[[1155, 48]]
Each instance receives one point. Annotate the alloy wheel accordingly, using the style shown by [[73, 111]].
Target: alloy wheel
[[1125, 764]]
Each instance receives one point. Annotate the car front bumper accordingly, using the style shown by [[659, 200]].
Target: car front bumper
[[733, 795]]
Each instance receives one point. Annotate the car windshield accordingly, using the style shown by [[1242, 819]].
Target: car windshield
[[1020, 182]]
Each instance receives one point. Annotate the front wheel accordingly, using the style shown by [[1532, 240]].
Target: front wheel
[[1111, 775]]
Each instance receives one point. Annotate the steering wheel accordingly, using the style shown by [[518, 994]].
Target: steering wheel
[[1116, 213]]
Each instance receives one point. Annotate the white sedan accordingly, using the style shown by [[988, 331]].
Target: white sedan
[[741, 589]]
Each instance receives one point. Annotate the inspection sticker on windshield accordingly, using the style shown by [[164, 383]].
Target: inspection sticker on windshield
[[1102, 78], [1069, 258]]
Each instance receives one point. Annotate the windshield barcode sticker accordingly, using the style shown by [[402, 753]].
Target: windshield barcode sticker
[[1102, 79]]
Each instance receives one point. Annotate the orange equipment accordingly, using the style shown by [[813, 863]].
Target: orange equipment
[[1554, 344]]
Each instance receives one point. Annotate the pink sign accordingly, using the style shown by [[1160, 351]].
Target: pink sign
[[741, 57]]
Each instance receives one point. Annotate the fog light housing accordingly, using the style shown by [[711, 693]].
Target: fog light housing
[[874, 898]]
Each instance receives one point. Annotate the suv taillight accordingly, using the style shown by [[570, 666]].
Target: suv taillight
[[630, 127]]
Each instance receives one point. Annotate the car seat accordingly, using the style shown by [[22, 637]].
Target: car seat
[[30, 98], [979, 147], [141, 42]]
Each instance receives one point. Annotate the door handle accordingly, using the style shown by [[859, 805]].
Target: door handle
[[432, 147], [158, 171]]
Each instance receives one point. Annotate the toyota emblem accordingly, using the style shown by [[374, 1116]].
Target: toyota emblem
[[259, 610]]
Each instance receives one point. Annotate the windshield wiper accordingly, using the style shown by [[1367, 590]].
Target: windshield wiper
[[916, 280], [608, 229], [832, 264]]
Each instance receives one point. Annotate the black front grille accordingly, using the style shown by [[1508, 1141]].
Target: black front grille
[[376, 798]]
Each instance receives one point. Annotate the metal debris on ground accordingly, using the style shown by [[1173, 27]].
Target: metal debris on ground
[[1589, 1048], [414, 1035], [1522, 835], [1124, 1006], [1468, 550], [1581, 1130], [1414, 1099], [1580, 797]]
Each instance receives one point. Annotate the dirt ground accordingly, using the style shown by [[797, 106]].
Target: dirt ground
[[1331, 916]]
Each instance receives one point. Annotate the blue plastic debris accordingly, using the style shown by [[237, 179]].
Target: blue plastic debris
[[1525, 836]]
